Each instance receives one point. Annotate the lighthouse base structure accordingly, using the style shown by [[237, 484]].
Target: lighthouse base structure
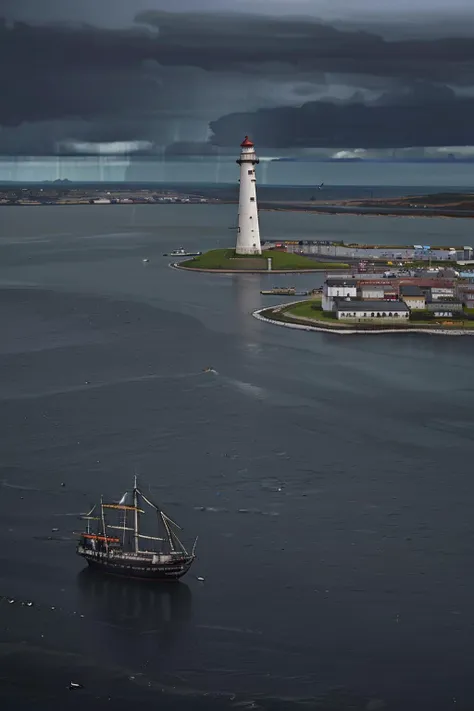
[[248, 232], [247, 251]]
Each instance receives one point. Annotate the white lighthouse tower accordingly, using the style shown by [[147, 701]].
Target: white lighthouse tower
[[248, 231]]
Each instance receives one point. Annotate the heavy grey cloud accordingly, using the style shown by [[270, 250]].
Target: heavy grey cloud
[[167, 77], [425, 116], [112, 13]]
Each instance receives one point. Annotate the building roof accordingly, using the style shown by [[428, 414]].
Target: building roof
[[246, 143], [371, 306], [377, 287], [341, 282], [410, 290], [444, 304], [424, 282]]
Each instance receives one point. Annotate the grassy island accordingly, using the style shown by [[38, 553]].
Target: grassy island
[[226, 260], [310, 313]]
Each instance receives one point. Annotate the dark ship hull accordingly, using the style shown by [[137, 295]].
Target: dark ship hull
[[139, 569]]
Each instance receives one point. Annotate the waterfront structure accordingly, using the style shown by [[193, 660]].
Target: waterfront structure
[[356, 296], [441, 293], [378, 290], [413, 296], [446, 309], [465, 293], [337, 288], [375, 310], [248, 231], [339, 250], [372, 291]]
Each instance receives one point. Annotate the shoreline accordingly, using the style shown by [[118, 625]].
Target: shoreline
[[176, 265], [258, 314], [364, 213], [284, 207]]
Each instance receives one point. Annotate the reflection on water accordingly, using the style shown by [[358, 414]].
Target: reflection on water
[[155, 610], [246, 288]]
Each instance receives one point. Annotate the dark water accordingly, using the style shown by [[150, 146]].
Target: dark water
[[329, 479]]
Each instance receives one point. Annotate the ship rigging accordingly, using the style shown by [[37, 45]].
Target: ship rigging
[[122, 548]]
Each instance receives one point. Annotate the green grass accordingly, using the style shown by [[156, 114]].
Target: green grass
[[312, 310], [226, 259]]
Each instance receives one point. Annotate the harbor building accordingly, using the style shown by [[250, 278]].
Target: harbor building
[[357, 297], [465, 294], [386, 310], [444, 309], [248, 231], [328, 249], [336, 288], [413, 296], [441, 293], [377, 291]]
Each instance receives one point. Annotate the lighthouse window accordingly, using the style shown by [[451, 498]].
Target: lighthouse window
[[252, 199], [250, 172]]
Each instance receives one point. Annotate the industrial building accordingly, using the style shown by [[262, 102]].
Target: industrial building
[[358, 297], [378, 290], [339, 250], [336, 288], [386, 310], [465, 294], [444, 309], [413, 296]]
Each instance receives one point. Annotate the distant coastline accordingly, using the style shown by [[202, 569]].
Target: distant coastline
[[436, 205], [276, 198]]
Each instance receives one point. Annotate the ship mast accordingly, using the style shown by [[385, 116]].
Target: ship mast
[[135, 504], [104, 530]]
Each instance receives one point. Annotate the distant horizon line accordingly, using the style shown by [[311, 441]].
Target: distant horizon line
[[224, 185], [200, 158]]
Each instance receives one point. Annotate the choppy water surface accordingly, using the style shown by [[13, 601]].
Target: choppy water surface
[[328, 478]]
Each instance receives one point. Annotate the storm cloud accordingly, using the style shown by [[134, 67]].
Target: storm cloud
[[169, 76], [427, 116]]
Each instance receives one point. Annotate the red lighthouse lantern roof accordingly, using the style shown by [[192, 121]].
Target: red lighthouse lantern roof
[[246, 143]]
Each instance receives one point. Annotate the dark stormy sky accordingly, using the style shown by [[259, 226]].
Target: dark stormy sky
[[195, 75]]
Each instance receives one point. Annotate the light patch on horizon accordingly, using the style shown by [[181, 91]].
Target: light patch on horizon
[[356, 153], [110, 148]]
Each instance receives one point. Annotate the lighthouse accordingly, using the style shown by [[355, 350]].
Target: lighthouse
[[248, 231]]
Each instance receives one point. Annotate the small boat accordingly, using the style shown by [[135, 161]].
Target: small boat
[[182, 253], [116, 548], [209, 369]]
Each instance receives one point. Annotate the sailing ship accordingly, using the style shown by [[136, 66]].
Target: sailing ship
[[118, 548]]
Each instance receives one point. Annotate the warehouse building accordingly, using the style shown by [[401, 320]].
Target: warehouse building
[[375, 310], [337, 288], [413, 296], [444, 309]]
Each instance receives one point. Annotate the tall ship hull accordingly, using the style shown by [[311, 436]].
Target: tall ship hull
[[140, 569], [121, 553]]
